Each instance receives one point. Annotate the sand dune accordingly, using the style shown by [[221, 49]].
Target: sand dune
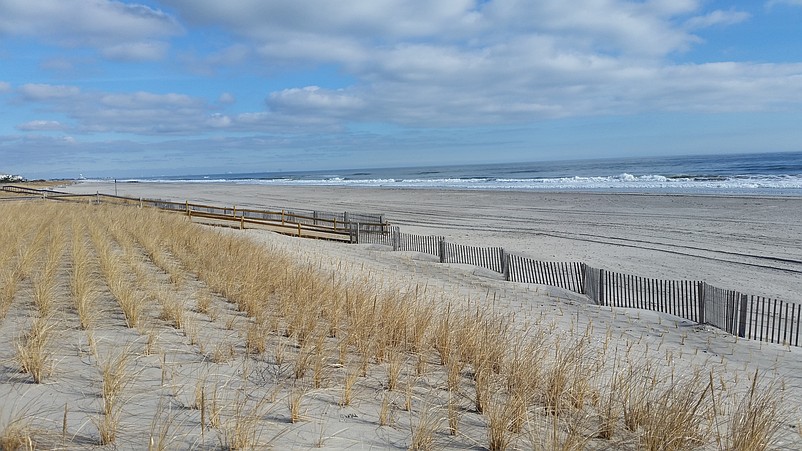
[[744, 243]]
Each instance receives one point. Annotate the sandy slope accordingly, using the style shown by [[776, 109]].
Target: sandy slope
[[658, 236]]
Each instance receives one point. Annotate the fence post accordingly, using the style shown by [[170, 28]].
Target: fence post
[[241, 222], [442, 250], [601, 287], [314, 217], [282, 216], [701, 294], [742, 317], [345, 217], [140, 202], [355, 239], [234, 212], [505, 264], [396, 238]]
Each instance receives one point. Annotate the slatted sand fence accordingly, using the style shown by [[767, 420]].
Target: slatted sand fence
[[754, 317], [491, 258], [772, 320], [676, 297], [368, 235], [566, 275], [725, 309], [428, 244]]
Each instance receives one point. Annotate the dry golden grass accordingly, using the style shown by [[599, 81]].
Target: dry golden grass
[[424, 431], [676, 414], [44, 293], [18, 434], [294, 404], [34, 353], [172, 309], [757, 418], [344, 336], [241, 429], [82, 283], [8, 289]]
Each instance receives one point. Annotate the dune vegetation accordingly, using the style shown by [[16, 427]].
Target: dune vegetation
[[139, 329]]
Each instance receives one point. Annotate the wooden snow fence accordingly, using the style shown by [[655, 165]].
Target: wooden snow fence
[[676, 297], [491, 258], [754, 317], [427, 244], [566, 275]]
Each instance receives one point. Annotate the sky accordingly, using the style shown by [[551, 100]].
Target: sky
[[104, 88]]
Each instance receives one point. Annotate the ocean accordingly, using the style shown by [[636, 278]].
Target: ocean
[[742, 174]]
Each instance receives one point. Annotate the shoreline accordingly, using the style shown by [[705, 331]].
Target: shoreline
[[767, 193]]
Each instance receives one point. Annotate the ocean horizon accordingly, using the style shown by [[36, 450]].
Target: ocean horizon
[[764, 174]]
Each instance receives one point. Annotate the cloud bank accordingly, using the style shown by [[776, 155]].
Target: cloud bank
[[406, 64]]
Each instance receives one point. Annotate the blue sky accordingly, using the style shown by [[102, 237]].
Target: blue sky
[[138, 88]]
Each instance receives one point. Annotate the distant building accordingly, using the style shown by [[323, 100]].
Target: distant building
[[11, 178]]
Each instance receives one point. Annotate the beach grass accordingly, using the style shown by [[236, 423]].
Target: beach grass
[[286, 329]]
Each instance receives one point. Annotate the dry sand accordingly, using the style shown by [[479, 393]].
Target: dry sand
[[751, 244]]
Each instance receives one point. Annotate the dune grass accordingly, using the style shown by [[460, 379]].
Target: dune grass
[[317, 335], [34, 349]]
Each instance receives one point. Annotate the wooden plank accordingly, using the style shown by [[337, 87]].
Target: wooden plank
[[798, 316], [785, 325]]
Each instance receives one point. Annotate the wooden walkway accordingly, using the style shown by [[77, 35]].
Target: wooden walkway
[[307, 224]]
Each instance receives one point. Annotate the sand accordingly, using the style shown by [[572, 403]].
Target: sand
[[750, 244], [744, 243]]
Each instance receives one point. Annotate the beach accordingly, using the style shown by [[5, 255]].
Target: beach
[[745, 243]]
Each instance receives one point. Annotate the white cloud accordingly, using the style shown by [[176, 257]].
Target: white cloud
[[413, 62], [117, 29], [313, 98], [136, 51], [137, 112], [45, 92], [771, 3], [5, 86], [397, 18], [218, 121], [227, 98], [717, 17], [209, 63], [40, 125], [457, 61]]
